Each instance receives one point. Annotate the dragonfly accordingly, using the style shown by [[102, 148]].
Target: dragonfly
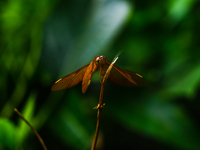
[[117, 76]]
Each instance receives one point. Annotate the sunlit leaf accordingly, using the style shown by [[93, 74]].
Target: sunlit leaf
[[85, 38], [7, 133]]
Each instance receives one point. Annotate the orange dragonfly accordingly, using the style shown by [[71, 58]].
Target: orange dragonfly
[[117, 76]]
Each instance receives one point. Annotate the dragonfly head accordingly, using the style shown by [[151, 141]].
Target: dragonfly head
[[100, 60]]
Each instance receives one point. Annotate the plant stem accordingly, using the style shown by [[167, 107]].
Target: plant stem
[[101, 105], [34, 130], [97, 129]]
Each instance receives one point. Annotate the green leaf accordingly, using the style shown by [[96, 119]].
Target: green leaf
[[186, 85], [158, 119], [7, 133]]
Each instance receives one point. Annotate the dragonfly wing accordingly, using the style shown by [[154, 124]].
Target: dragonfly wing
[[124, 77], [88, 74], [69, 80]]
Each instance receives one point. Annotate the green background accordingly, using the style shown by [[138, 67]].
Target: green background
[[41, 41]]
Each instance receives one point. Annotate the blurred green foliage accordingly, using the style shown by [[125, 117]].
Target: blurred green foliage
[[42, 41]]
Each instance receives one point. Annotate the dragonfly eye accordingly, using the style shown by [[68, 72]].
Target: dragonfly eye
[[101, 60], [97, 61]]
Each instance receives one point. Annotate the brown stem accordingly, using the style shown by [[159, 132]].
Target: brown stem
[[97, 129], [33, 129], [101, 105]]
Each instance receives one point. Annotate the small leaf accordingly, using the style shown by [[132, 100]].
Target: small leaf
[[179, 9]]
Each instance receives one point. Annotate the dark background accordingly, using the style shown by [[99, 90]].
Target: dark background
[[41, 41]]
